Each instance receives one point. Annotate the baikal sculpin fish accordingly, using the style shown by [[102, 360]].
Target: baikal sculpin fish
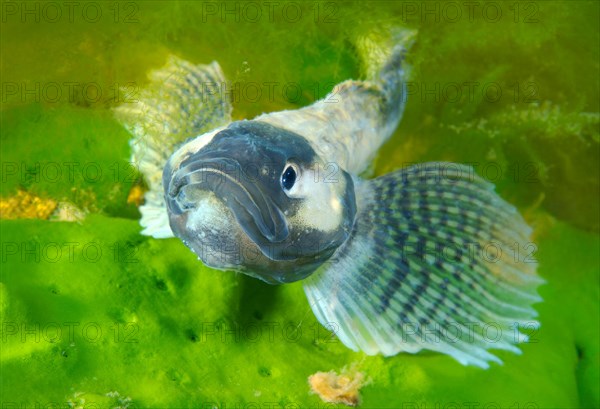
[[398, 263]]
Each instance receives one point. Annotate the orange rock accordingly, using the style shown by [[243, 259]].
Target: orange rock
[[335, 388]]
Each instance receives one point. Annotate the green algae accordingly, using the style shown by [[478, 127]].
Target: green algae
[[97, 315], [168, 332]]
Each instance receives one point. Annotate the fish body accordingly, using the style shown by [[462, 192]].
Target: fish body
[[279, 198]]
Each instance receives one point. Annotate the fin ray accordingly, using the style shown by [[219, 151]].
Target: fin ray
[[179, 103], [387, 288]]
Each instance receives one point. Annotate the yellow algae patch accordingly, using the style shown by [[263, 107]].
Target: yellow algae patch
[[24, 205], [136, 195], [335, 388]]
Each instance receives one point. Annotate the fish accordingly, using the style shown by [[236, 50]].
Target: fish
[[417, 259]]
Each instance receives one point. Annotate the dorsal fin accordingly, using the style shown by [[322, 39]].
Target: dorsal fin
[[181, 101]]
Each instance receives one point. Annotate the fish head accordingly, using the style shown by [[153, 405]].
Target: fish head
[[259, 200]]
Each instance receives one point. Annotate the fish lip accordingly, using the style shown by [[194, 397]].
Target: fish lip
[[256, 212]]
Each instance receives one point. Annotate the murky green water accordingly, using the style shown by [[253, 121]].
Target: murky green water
[[91, 308]]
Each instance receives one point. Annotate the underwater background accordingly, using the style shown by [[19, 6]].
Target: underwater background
[[96, 315]]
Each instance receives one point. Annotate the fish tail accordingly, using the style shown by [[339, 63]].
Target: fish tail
[[436, 260], [383, 59], [350, 124]]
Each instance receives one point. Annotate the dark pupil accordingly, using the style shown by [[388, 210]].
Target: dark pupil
[[288, 178]]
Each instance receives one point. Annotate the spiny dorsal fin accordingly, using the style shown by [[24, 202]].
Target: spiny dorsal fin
[[181, 101], [413, 274]]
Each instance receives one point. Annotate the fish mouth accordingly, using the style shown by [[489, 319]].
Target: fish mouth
[[255, 211]]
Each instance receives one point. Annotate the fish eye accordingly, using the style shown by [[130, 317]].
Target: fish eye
[[288, 177]]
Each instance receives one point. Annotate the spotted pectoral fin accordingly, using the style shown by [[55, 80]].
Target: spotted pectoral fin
[[181, 101], [435, 261]]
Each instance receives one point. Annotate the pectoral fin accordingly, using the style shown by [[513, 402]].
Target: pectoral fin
[[430, 264]]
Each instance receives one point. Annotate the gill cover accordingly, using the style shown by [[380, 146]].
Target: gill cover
[[260, 226]]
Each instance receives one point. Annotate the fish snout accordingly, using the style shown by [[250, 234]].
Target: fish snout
[[249, 199], [193, 180]]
